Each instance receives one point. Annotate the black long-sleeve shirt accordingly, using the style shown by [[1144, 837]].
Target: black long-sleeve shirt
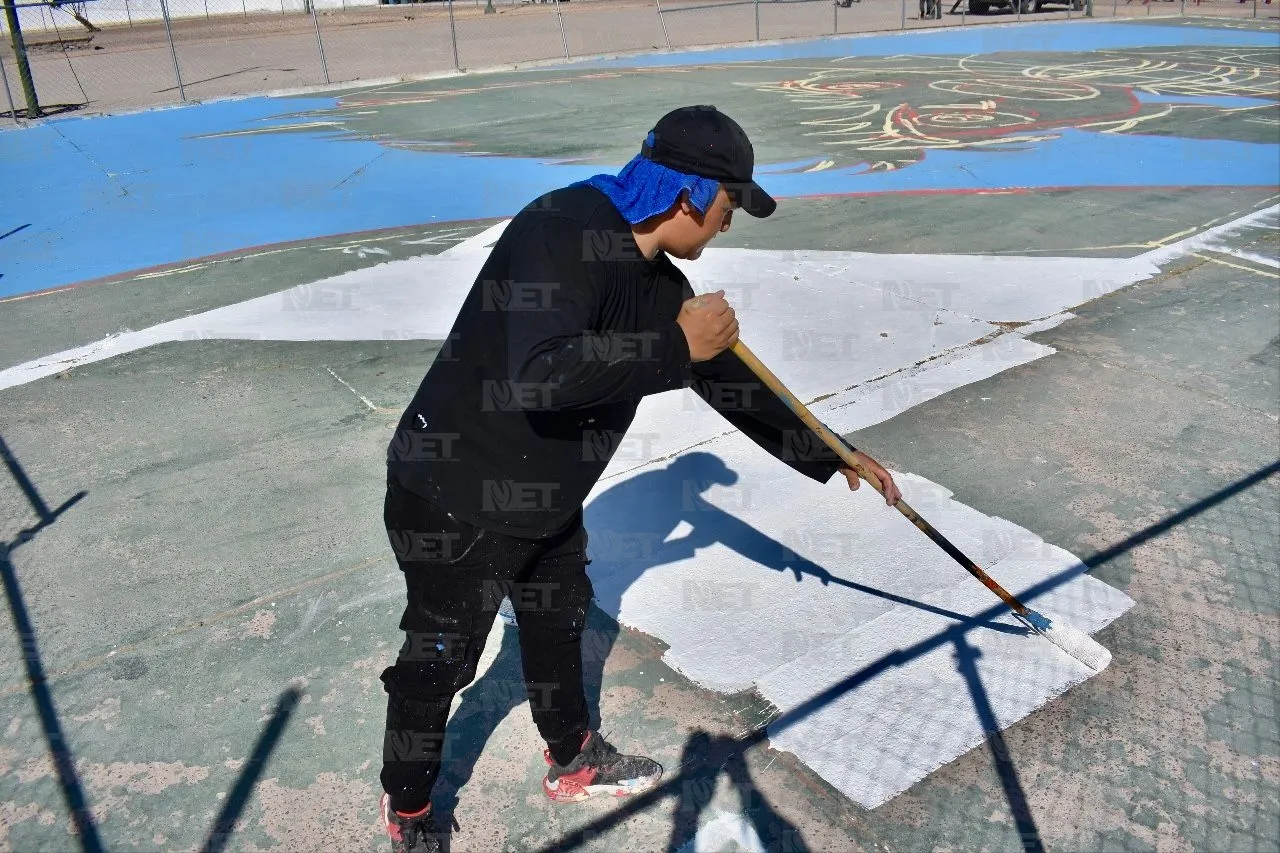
[[566, 328]]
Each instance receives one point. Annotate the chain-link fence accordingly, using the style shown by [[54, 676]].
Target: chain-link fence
[[112, 55], [18, 513]]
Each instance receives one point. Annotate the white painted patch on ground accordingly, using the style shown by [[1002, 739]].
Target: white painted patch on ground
[[1046, 324], [1214, 239], [895, 310], [418, 298], [794, 587], [881, 399], [726, 831]]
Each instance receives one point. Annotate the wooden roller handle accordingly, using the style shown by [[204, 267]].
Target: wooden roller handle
[[833, 441]]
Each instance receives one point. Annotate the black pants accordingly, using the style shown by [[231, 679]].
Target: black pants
[[456, 577]]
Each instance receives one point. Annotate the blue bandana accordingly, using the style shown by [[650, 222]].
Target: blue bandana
[[644, 188]]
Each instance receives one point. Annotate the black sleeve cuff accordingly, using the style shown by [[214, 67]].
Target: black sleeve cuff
[[822, 463], [676, 366]]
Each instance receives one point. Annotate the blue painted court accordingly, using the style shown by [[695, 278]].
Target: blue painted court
[[98, 197]]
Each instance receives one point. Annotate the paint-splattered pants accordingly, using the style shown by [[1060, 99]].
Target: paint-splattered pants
[[456, 576]]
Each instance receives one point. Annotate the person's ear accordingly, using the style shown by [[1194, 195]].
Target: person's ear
[[687, 208]]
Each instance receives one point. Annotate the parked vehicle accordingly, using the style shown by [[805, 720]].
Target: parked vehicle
[[982, 7]]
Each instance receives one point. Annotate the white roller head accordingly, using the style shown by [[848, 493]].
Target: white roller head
[[1078, 644]]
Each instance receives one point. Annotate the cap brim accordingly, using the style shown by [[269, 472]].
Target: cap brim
[[753, 199]]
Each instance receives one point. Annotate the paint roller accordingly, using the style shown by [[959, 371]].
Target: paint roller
[[1074, 642]]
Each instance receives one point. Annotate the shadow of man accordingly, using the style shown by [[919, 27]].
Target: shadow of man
[[633, 527], [758, 827]]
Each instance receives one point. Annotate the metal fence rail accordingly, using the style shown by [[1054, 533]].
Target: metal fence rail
[[112, 55]]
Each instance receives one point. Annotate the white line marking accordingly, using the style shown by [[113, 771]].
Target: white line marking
[[363, 398]]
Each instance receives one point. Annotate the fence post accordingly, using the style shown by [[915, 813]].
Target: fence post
[[904, 15], [315, 22], [4, 76], [666, 37], [835, 18], [173, 51], [20, 57], [453, 36], [757, 8], [127, 15], [564, 39]]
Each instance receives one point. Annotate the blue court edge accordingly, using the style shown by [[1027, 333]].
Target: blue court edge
[[105, 196]]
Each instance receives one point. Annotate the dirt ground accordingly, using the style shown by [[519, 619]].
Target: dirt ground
[[125, 68]]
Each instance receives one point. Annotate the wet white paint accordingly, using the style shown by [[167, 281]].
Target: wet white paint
[[1214, 239], [725, 831], [755, 576], [883, 398]]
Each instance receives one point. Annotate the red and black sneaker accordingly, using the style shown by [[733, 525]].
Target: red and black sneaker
[[414, 834], [599, 769]]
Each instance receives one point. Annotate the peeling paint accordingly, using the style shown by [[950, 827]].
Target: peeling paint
[[260, 625], [332, 813], [141, 778], [108, 709], [10, 815], [34, 769]]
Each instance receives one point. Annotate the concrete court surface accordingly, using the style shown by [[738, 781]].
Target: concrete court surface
[[212, 614]]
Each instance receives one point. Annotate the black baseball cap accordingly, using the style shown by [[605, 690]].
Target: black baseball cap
[[705, 142]]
